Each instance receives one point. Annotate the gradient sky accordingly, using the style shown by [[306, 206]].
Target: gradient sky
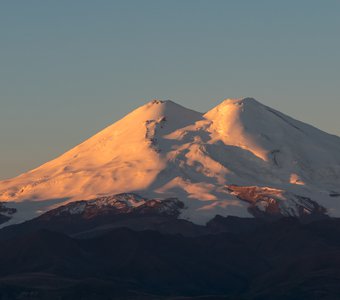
[[71, 67]]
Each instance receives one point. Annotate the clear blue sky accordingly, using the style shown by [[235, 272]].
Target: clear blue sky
[[68, 68]]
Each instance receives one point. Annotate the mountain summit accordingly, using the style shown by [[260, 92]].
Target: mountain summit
[[240, 158]]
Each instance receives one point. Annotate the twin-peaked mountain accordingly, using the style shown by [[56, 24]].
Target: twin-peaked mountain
[[241, 158]]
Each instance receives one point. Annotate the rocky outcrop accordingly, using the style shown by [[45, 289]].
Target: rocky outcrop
[[269, 202]]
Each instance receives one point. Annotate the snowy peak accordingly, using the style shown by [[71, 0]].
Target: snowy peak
[[250, 125], [233, 106], [239, 102], [163, 104], [242, 123], [157, 109], [239, 112], [167, 110]]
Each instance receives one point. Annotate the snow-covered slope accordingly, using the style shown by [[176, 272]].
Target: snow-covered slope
[[164, 150]]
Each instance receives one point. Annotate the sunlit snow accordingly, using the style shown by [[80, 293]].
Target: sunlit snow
[[164, 150]]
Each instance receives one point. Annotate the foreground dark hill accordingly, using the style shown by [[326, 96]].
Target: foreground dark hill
[[283, 259]]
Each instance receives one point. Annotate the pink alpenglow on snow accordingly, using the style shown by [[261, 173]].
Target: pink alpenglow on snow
[[163, 150]]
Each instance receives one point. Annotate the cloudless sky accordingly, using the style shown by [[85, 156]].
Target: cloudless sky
[[69, 68]]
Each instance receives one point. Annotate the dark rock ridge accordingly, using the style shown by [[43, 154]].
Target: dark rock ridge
[[99, 215], [126, 203]]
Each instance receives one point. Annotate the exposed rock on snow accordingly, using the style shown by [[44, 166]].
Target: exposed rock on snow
[[127, 203], [266, 202]]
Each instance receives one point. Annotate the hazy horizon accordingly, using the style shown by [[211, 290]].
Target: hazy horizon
[[69, 69]]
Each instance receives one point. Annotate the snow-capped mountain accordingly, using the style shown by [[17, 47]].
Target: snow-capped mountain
[[241, 158]]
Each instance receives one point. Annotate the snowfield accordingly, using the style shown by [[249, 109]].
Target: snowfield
[[163, 150]]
